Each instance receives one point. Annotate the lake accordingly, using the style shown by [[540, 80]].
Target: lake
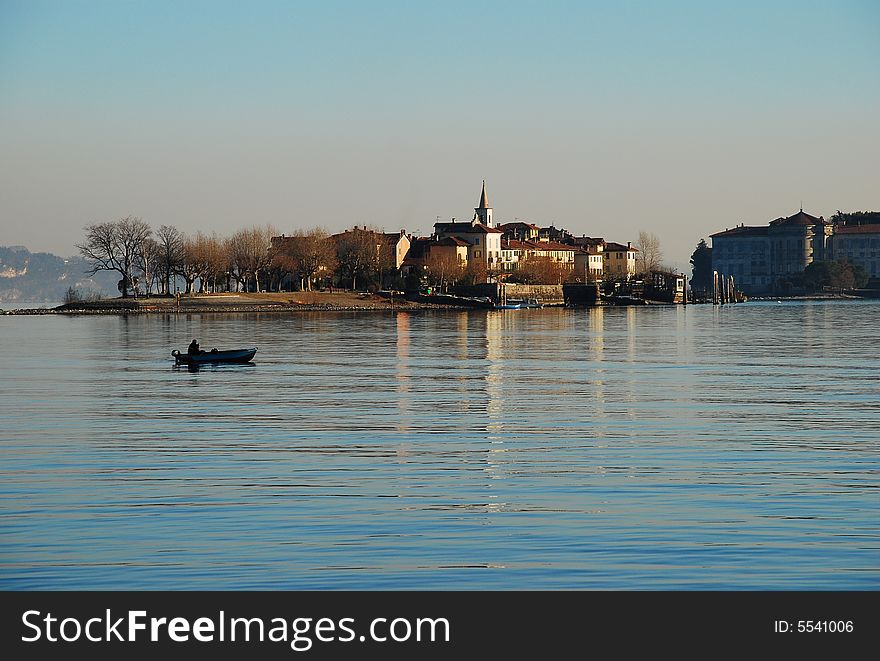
[[647, 448]]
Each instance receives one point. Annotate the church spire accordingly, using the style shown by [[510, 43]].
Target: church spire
[[484, 211], [484, 203]]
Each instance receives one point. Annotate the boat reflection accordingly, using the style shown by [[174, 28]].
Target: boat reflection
[[209, 367]]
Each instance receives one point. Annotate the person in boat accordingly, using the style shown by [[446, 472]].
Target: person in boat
[[193, 348]]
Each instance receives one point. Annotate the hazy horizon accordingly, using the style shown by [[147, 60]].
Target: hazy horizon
[[602, 118]]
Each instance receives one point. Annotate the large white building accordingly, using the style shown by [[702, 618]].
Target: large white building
[[762, 258]]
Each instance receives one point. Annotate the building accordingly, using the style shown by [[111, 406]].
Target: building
[[515, 253], [762, 259], [393, 249], [858, 244], [519, 231], [619, 261], [589, 260], [554, 234], [744, 253], [481, 235], [450, 252], [590, 265]]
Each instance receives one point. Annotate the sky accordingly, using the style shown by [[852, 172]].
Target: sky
[[679, 118]]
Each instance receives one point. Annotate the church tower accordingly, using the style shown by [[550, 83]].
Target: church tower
[[484, 211]]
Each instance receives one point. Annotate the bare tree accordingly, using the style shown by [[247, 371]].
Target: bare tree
[[305, 255], [249, 249], [475, 272], [650, 256], [114, 246], [148, 259], [195, 261], [357, 254], [171, 254], [217, 261], [446, 268], [541, 271], [386, 262]]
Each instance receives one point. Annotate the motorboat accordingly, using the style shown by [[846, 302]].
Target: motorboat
[[214, 356]]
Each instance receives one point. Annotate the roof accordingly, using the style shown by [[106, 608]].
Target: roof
[[476, 228], [357, 230], [516, 225], [610, 246], [586, 241], [392, 237], [555, 245], [452, 241], [857, 229], [742, 230], [513, 244], [418, 245], [800, 218], [484, 201]]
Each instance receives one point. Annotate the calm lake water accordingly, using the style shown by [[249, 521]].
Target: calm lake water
[[640, 448]]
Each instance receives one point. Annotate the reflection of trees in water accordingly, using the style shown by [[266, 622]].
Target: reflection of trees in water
[[402, 371]]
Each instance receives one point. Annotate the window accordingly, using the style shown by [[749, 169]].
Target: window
[[477, 242]]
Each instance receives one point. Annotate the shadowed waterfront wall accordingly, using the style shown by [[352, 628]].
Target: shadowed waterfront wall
[[546, 294]]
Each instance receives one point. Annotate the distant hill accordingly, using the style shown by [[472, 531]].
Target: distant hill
[[40, 279]]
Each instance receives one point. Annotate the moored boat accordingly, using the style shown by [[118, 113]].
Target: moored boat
[[214, 356], [526, 302]]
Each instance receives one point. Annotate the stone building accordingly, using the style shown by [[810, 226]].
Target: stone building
[[762, 259], [858, 244]]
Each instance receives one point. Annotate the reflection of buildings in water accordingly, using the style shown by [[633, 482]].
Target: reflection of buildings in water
[[462, 343], [631, 373], [631, 332], [596, 323], [493, 380], [461, 362], [494, 370], [402, 372], [682, 341]]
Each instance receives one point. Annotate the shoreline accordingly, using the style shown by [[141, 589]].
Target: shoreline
[[236, 303], [224, 310], [296, 302]]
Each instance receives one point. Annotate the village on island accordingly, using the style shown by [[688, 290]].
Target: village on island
[[472, 263]]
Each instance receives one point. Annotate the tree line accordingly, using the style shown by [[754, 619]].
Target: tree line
[[251, 259]]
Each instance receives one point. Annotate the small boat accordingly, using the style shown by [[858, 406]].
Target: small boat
[[214, 356], [504, 304], [526, 302]]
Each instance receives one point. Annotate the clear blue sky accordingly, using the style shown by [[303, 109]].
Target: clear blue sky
[[607, 118]]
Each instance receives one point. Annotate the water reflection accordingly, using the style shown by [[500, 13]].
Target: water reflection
[[402, 326], [598, 448]]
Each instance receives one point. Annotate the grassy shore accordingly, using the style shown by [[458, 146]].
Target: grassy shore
[[236, 302]]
